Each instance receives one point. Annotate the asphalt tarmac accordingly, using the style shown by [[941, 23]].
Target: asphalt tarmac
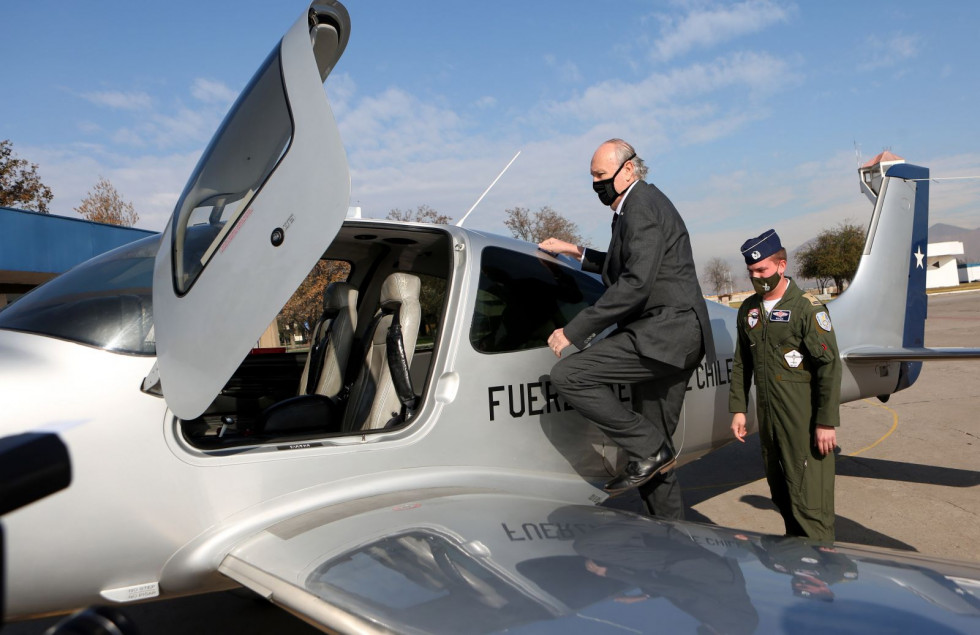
[[908, 478], [908, 471]]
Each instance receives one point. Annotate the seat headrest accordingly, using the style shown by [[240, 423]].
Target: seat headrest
[[400, 287], [338, 295]]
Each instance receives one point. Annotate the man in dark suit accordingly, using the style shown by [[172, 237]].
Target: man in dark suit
[[661, 331]]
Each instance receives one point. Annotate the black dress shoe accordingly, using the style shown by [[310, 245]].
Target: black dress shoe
[[639, 472]]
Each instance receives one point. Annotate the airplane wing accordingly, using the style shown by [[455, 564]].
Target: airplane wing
[[898, 354], [458, 560]]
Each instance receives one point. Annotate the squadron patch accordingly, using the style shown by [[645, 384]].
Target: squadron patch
[[793, 358], [780, 315], [823, 320], [753, 318]]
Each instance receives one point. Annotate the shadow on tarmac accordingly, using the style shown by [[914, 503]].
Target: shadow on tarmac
[[737, 464], [906, 472], [846, 529]]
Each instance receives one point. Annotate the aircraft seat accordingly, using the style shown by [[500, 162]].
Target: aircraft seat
[[331, 342], [374, 397]]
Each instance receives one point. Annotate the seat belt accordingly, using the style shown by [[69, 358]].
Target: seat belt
[[398, 365], [319, 349], [395, 355]]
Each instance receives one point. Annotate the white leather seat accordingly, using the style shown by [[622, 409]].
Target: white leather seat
[[332, 339], [373, 400]]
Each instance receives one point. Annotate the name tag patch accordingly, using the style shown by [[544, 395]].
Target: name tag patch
[[794, 358], [780, 315]]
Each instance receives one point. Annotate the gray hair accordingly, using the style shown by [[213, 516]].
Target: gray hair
[[623, 153]]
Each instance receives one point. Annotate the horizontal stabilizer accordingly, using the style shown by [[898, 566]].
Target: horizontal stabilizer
[[889, 354]]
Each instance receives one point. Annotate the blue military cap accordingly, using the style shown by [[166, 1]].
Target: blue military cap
[[761, 247]]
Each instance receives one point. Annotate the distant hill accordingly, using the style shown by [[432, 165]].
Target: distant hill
[[941, 232]]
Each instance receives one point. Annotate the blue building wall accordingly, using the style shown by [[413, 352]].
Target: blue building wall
[[45, 243]]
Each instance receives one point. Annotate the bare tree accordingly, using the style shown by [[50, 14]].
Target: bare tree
[[304, 308], [545, 223], [104, 205], [717, 275], [421, 214], [20, 185]]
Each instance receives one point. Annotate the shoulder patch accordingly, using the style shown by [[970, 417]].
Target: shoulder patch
[[823, 320]]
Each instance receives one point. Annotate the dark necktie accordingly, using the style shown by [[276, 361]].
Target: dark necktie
[[615, 220]]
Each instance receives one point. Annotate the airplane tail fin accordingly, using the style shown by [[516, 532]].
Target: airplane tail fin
[[881, 316]]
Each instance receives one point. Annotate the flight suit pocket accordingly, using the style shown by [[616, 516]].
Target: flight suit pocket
[[795, 366], [817, 483]]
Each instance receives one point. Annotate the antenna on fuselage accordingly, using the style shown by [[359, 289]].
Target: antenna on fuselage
[[460, 223]]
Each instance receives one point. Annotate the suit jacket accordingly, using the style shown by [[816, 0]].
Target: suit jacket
[[651, 282]]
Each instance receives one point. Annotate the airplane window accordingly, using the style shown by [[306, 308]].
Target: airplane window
[[299, 316], [105, 302], [243, 153], [522, 299]]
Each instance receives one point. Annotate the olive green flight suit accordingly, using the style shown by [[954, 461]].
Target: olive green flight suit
[[792, 353]]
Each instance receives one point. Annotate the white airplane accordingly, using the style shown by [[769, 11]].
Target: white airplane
[[415, 471]]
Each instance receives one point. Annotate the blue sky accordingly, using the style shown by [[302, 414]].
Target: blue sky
[[747, 112]]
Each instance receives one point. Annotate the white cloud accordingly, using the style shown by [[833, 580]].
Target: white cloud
[[185, 126], [567, 71], [879, 52], [213, 92], [395, 127], [705, 28], [341, 89], [128, 137], [151, 182], [485, 102], [119, 100], [690, 105], [758, 74]]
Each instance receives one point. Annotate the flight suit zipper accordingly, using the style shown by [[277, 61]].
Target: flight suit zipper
[[765, 354]]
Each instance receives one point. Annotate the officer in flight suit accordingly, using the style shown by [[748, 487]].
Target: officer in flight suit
[[787, 343]]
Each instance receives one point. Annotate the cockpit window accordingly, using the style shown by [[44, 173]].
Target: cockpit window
[[522, 299], [105, 302], [243, 153]]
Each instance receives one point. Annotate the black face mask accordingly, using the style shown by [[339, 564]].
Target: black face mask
[[763, 286], [605, 188]]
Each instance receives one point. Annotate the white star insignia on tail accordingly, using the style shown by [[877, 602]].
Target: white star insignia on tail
[[918, 257]]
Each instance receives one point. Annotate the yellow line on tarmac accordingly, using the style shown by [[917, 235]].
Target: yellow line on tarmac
[[886, 435]]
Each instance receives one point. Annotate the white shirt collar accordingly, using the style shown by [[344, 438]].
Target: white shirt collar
[[625, 194]]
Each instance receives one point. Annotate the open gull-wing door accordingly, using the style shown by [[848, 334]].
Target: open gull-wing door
[[267, 197]]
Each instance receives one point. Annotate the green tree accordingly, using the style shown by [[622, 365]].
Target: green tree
[[421, 214], [20, 185], [544, 223], [833, 255], [104, 205]]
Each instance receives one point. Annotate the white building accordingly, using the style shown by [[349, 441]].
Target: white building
[[941, 270], [969, 272]]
